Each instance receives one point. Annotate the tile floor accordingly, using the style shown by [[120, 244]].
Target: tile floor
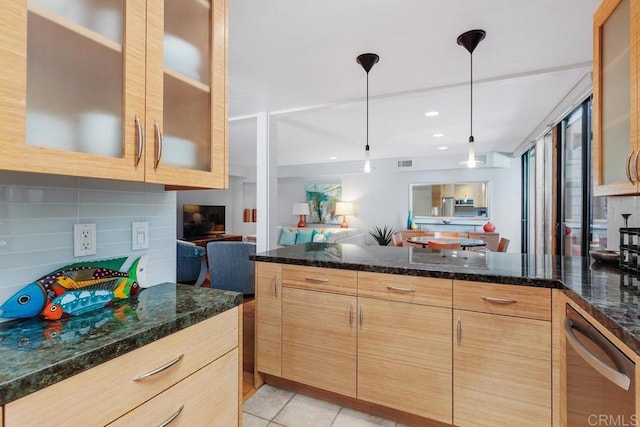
[[271, 406]]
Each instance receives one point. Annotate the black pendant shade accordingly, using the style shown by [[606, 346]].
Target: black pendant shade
[[368, 60]]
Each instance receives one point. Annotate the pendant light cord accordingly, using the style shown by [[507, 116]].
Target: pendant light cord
[[367, 110], [471, 109]]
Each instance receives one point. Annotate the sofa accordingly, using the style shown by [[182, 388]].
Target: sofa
[[291, 235]]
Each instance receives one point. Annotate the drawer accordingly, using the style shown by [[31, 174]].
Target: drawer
[[411, 289], [104, 393], [320, 279], [510, 300], [209, 397]]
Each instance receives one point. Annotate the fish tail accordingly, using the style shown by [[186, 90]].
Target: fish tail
[[133, 271]]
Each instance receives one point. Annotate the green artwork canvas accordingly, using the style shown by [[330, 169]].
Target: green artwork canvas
[[322, 199]]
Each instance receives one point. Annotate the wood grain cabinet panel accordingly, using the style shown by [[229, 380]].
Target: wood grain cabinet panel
[[319, 339], [410, 289], [501, 370], [100, 395], [268, 318], [208, 397], [115, 110], [405, 357], [320, 279]]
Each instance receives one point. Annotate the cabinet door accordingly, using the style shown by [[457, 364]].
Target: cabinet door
[[72, 87], [208, 397], [501, 370], [404, 357], [615, 98], [268, 318], [319, 340], [186, 127]]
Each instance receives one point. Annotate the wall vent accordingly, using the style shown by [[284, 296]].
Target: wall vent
[[405, 163]]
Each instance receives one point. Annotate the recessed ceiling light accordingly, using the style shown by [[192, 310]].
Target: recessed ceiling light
[[332, 158], [431, 113], [438, 135], [442, 148]]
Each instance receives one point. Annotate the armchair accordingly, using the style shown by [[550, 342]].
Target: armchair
[[191, 266], [230, 267]]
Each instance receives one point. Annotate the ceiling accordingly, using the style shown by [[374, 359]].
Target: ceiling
[[296, 60]]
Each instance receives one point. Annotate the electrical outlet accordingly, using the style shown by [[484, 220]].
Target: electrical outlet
[[84, 240], [139, 235]]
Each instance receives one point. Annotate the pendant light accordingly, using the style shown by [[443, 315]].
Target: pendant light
[[469, 41], [367, 60]]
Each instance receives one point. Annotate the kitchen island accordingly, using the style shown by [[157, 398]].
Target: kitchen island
[[93, 359], [452, 337]]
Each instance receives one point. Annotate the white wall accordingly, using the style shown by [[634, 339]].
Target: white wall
[[37, 213]]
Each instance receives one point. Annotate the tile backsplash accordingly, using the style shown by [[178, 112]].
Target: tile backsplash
[[37, 213]]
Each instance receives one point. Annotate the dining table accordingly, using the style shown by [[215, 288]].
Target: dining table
[[464, 242]]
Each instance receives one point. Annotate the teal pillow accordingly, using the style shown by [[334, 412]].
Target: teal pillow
[[287, 237], [304, 236]]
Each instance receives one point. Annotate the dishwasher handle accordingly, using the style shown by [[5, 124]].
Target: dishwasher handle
[[618, 378]]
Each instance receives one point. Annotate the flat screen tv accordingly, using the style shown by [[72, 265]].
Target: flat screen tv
[[201, 221]]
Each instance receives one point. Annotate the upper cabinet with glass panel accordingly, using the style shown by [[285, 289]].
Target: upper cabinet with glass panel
[[616, 82], [94, 88], [458, 200]]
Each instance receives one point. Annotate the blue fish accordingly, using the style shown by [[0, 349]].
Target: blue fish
[[27, 302], [72, 303]]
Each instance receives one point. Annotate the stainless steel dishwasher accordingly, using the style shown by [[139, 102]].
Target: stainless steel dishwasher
[[600, 377]]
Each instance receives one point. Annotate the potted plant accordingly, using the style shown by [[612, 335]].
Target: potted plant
[[382, 235]]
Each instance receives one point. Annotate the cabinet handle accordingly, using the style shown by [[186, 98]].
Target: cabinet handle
[[275, 286], [499, 300], [361, 315], [628, 167], [139, 140], [159, 369], [635, 167], [351, 316], [397, 289], [156, 126], [316, 279], [172, 417], [459, 331]]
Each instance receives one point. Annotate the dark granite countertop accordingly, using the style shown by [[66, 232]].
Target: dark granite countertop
[[36, 353], [607, 293]]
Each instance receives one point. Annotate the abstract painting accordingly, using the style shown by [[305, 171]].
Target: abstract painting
[[322, 199]]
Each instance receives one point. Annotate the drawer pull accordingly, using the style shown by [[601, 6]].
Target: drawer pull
[[159, 369], [499, 300], [459, 331], [397, 289], [275, 286], [361, 315], [156, 126], [172, 417], [351, 316], [634, 171], [316, 279]]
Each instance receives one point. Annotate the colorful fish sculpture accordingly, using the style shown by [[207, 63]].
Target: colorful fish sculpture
[[73, 303], [36, 297]]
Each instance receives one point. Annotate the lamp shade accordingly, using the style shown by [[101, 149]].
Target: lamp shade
[[300, 209], [344, 208]]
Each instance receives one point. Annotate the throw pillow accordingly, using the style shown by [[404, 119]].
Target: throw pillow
[[304, 236], [287, 237]]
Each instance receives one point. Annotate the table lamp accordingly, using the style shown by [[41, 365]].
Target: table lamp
[[344, 209], [301, 209]]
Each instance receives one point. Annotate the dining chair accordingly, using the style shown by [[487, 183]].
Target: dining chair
[[439, 245], [439, 234], [503, 244], [230, 267]]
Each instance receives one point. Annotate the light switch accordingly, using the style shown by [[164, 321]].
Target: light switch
[[139, 235]]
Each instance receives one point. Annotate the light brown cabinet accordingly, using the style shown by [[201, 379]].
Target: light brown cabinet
[[268, 329], [404, 344], [103, 90], [102, 394], [319, 327], [616, 28], [501, 362]]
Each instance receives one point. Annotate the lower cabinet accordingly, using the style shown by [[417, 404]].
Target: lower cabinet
[[208, 397], [404, 357], [205, 353], [319, 339], [268, 327], [501, 362]]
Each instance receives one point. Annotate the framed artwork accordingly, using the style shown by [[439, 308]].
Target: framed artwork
[[322, 199]]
